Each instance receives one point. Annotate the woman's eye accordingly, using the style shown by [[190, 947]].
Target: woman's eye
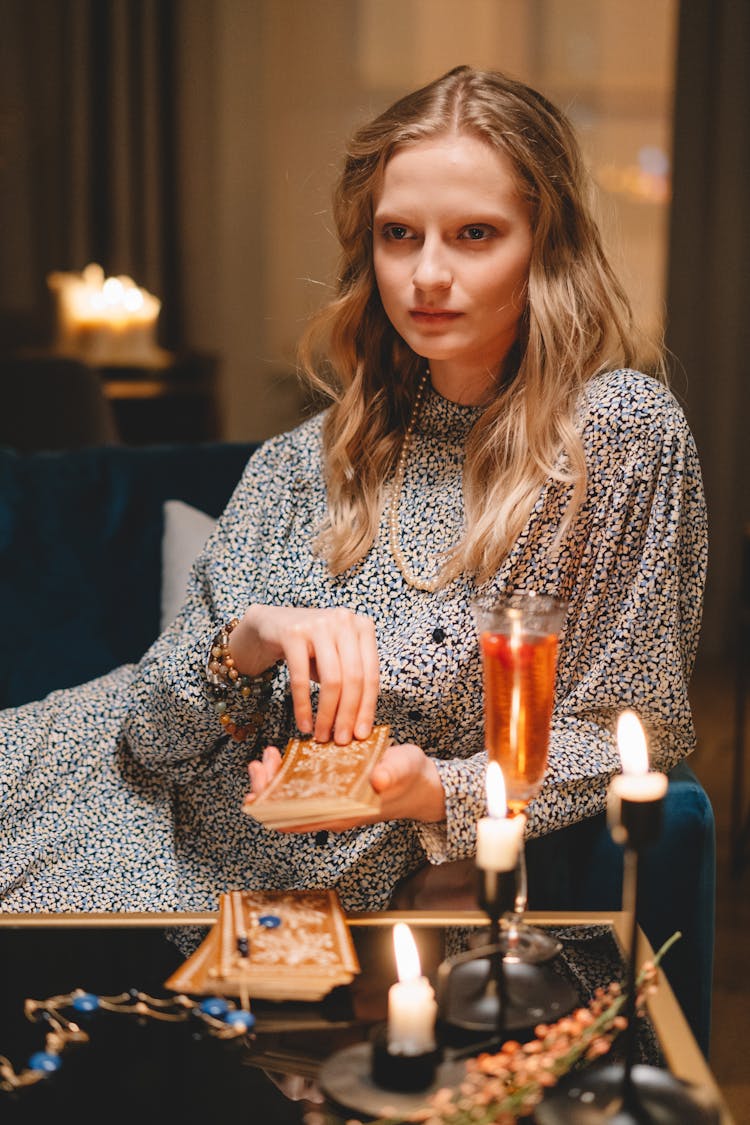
[[396, 232], [475, 233]]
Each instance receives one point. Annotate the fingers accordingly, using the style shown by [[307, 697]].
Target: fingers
[[408, 784], [297, 654], [349, 677], [262, 773], [331, 647], [396, 769], [336, 647], [272, 760]]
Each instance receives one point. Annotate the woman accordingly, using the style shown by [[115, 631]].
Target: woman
[[488, 432]]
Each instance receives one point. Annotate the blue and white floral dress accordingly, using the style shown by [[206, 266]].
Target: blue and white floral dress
[[123, 794]]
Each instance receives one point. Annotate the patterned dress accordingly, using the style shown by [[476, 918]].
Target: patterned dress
[[123, 794]]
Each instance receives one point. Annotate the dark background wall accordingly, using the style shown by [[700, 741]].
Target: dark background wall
[[193, 143]]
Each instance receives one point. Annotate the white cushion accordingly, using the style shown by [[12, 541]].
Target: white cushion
[[186, 529]]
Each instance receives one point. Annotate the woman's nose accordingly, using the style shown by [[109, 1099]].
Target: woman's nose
[[432, 270]]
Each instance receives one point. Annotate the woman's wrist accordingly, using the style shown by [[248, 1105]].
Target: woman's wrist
[[231, 690], [434, 805], [252, 657]]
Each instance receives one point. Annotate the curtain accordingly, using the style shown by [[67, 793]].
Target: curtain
[[708, 302], [88, 156]]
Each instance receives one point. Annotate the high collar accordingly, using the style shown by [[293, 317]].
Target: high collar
[[440, 416]]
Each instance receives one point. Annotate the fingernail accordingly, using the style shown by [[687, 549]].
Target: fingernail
[[362, 730], [343, 736]]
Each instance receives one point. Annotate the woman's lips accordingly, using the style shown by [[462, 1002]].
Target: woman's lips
[[433, 316]]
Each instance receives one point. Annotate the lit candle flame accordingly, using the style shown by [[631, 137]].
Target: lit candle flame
[[105, 320], [407, 957], [631, 742], [113, 291], [497, 806], [92, 295], [133, 299]]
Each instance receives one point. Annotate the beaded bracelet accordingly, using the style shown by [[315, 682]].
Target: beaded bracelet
[[223, 678]]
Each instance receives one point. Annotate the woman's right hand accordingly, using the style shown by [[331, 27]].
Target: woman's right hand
[[334, 647]]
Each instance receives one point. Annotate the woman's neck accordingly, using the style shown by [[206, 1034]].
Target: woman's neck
[[465, 385]]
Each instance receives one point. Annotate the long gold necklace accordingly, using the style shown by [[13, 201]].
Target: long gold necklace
[[409, 576]]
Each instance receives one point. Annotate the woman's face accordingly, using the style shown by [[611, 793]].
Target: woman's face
[[452, 244]]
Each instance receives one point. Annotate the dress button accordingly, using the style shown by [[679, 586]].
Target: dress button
[[321, 839], [438, 636]]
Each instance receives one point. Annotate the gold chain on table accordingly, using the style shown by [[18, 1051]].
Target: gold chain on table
[[410, 577], [221, 1017]]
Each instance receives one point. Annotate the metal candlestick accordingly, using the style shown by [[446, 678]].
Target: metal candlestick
[[497, 894], [481, 993], [472, 986], [628, 1094], [390, 1070], [350, 1078]]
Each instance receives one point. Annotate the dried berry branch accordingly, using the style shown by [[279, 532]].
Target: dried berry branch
[[499, 1088]]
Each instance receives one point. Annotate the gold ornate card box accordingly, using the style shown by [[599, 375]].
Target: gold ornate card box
[[272, 945]]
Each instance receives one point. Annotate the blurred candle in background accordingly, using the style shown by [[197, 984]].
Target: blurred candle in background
[[635, 783], [106, 321]]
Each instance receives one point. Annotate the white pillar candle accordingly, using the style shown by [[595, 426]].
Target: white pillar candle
[[498, 836], [639, 786], [412, 1009], [635, 783], [634, 797]]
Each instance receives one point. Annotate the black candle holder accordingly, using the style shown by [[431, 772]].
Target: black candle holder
[[629, 1094], [483, 993], [373, 1077], [407, 1074], [473, 986], [367, 1078], [595, 1096]]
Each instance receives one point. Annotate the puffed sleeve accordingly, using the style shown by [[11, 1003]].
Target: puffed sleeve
[[635, 598], [171, 725], [632, 569]]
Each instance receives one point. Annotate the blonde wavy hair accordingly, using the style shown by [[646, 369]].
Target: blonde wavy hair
[[577, 322]]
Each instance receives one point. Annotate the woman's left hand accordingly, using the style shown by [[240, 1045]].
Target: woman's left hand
[[406, 779]]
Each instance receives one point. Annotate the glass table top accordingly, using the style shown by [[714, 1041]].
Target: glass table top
[[171, 1072]]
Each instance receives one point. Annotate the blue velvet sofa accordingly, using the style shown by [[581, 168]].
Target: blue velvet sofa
[[80, 580]]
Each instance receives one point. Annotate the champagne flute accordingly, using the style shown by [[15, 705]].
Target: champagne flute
[[518, 640]]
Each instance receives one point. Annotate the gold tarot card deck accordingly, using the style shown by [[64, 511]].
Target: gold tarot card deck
[[321, 781]]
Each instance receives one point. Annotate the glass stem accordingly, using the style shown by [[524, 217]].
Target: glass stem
[[515, 919], [522, 886]]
